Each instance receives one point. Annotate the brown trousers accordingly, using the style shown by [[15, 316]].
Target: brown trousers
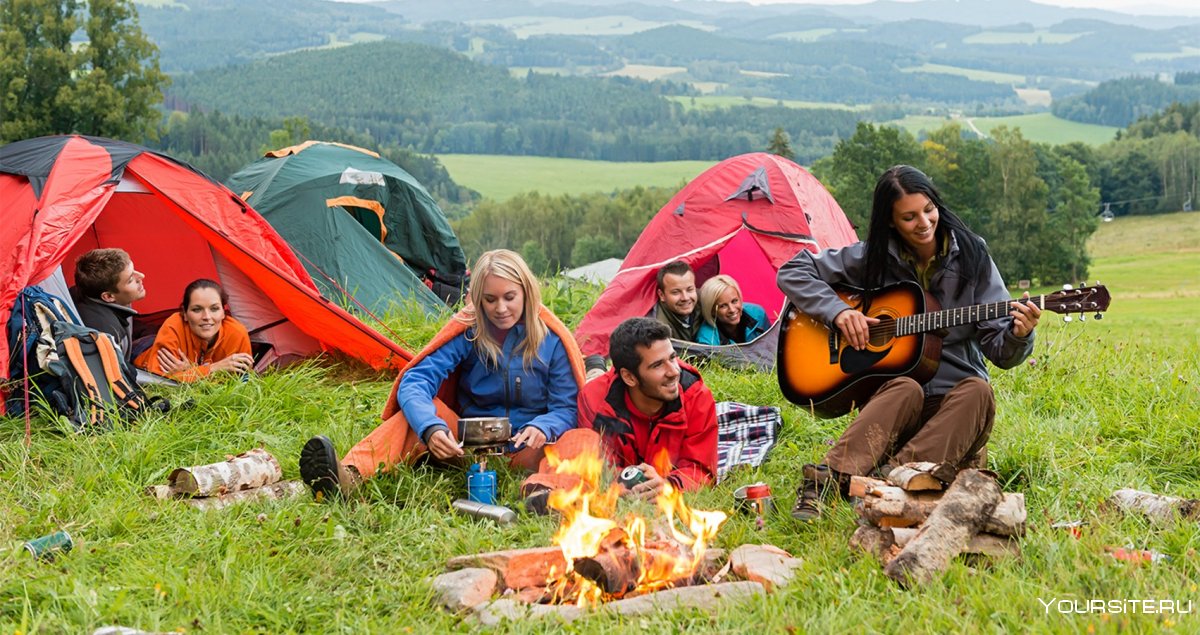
[[900, 425]]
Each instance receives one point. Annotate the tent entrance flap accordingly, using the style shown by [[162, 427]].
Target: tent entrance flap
[[744, 260], [160, 244], [262, 318], [368, 213]]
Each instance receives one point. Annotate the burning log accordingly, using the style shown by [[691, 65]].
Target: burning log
[[890, 506], [961, 515], [1155, 506], [615, 568]]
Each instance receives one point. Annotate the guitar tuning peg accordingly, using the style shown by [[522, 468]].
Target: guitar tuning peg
[[1067, 318], [1067, 287], [1082, 317], [1099, 316]]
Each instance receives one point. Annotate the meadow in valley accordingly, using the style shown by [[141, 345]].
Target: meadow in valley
[[1101, 405]]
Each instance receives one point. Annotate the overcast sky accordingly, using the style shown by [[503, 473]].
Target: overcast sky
[[1147, 7], [1150, 7]]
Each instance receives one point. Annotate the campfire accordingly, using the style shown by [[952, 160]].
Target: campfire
[[632, 566], [607, 560]]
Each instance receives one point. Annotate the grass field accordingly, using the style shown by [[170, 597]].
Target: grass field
[[1108, 404], [1042, 127], [811, 35], [502, 177], [969, 73], [646, 72], [1040, 36], [525, 26], [725, 101], [1186, 51]]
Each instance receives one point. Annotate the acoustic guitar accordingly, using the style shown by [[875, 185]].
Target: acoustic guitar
[[819, 370]]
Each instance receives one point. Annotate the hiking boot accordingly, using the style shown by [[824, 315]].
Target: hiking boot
[[321, 471], [818, 483], [537, 500], [594, 366]]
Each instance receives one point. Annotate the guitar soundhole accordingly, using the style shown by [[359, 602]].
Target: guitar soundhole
[[883, 332]]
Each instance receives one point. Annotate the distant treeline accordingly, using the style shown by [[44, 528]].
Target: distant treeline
[[436, 101], [210, 33], [1035, 204], [1120, 102], [220, 145]]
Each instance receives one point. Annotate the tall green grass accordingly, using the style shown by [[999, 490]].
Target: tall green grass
[[1104, 405]]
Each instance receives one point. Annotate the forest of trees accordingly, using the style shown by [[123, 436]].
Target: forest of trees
[[1120, 102], [436, 101], [220, 145]]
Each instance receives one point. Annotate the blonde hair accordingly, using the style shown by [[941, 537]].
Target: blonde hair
[[710, 291], [507, 265]]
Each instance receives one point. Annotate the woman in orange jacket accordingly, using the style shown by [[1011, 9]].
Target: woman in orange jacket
[[199, 340]]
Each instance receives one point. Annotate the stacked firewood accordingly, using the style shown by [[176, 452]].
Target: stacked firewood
[[923, 515]]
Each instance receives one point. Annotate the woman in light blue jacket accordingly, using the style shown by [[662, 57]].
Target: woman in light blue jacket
[[728, 320]]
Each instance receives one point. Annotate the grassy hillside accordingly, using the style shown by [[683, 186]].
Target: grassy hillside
[[502, 177], [1106, 405], [1042, 127]]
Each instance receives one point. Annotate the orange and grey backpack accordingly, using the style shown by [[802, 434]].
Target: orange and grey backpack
[[78, 371]]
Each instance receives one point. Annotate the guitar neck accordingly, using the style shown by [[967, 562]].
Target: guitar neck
[[949, 318]]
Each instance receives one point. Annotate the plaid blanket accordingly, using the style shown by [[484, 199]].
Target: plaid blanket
[[745, 434]]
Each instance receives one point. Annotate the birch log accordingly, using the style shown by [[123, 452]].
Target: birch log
[[244, 471], [893, 507], [273, 491], [914, 477], [1155, 506], [962, 512]]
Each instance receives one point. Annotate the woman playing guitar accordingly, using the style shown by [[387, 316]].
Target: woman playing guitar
[[946, 420]]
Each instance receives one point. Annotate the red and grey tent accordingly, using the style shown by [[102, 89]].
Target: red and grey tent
[[744, 217], [61, 196]]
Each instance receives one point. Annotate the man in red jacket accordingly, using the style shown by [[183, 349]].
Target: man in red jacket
[[652, 411]]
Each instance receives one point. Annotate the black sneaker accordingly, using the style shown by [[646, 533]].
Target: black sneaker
[[319, 467], [817, 483], [537, 500]]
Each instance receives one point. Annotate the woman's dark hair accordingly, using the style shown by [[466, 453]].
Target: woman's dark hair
[[203, 283], [896, 182]]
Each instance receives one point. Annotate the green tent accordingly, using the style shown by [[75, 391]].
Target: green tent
[[361, 225]]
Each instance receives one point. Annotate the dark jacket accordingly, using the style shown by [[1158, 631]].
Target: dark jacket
[[806, 280], [685, 428], [106, 317]]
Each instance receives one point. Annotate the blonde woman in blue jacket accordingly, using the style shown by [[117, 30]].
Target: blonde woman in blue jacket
[[728, 320]]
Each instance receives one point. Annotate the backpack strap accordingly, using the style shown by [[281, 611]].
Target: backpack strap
[[112, 368], [75, 355]]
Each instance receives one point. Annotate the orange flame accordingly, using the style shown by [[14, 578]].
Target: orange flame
[[683, 533]]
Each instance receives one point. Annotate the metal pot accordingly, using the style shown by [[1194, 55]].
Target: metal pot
[[484, 431]]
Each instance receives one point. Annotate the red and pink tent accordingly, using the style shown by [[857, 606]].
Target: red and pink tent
[[744, 217]]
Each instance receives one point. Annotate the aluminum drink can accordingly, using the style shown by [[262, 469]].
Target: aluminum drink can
[[46, 547], [631, 476]]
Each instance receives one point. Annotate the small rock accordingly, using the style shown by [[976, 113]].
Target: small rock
[[493, 613], [465, 588], [769, 565]]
